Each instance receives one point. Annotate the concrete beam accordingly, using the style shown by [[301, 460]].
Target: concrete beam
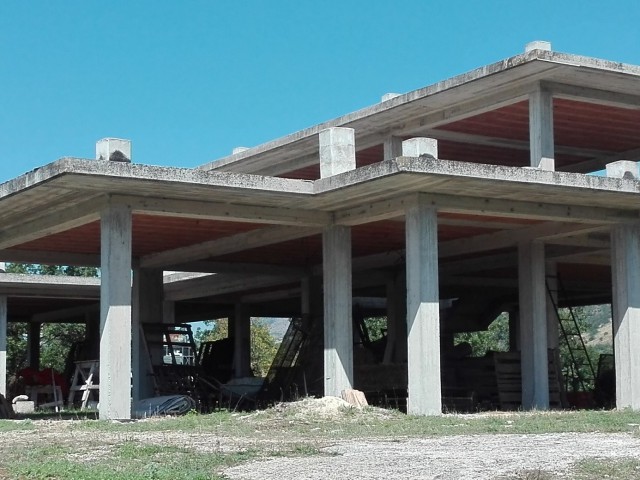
[[225, 245], [541, 129], [423, 311], [625, 269], [224, 211], [495, 207], [533, 326], [115, 313], [338, 328]]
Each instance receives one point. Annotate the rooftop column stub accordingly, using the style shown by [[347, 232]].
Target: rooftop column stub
[[114, 149], [337, 151], [538, 45], [623, 169], [415, 147], [541, 130]]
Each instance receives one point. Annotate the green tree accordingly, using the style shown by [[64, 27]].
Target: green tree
[[56, 340], [495, 338], [263, 345]]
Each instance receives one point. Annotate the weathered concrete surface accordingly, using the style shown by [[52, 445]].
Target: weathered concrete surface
[[625, 269], [338, 326], [115, 314], [337, 151], [423, 312], [415, 147], [533, 326], [113, 149]]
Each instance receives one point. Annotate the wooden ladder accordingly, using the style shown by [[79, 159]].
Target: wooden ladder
[[83, 381]]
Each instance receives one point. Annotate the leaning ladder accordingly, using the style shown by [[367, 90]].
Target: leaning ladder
[[573, 338]]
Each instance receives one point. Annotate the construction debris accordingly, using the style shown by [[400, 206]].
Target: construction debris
[[355, 398]]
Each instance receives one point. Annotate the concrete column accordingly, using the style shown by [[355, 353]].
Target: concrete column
[[423, 311], [33, 345], [338, 325], [392, 147], [241, 342], [115, 313], [541, 130], [553, 326], [337, 151], [625, 269], [3, 345], [533, 326], [147, 308], [415, 147]]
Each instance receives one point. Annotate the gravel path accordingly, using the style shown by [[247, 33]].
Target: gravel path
[[453, 457]]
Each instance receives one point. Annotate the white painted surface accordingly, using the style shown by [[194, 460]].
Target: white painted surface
[[337, 151], [115, 313], [625, 267], [338, 329], [533, 326], [423, 312]]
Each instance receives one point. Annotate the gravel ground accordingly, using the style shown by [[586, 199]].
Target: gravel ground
[[452, 457]]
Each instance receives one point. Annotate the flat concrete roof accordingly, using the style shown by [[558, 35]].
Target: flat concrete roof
[[503, 82]]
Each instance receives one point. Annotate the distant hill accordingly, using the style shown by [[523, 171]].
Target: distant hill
[[277, 327]]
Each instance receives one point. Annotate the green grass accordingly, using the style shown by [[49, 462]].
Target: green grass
[[94, 449]]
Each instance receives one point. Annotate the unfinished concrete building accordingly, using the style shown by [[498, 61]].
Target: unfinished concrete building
[[433, 208]]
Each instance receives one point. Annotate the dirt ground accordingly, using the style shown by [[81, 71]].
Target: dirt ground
[[453, 457], [460, 457]]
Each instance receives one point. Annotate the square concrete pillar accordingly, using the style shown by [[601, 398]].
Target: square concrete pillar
[[147, 304], [113, 149], [337, 151], [625, 269], [115, 313], [338, 326], [241, 341], [552, 287], [415, 147], [541, 140], [423, 311], [3, 345], [392, 148], [533, 326], [33, 344]]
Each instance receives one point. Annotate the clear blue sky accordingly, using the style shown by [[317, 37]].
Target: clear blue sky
[[189, 80]]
